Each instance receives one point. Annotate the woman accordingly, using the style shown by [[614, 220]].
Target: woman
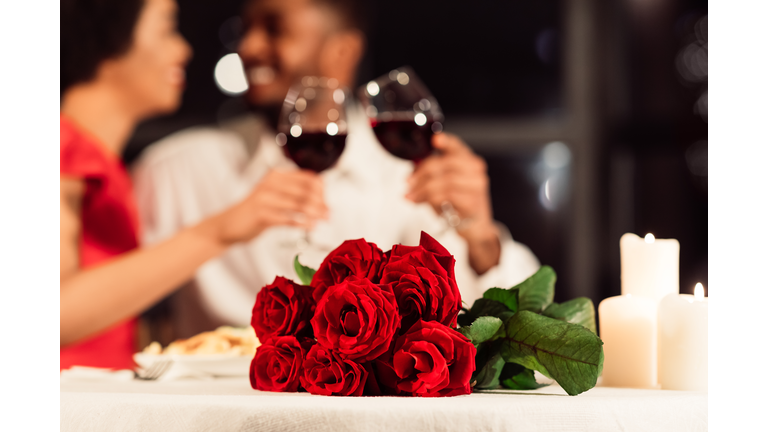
[[121, 62]]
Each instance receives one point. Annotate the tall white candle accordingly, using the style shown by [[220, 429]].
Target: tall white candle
[[683, 362], [628, 331], [649, 266]]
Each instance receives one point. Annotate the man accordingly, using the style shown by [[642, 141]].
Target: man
[[368, 194]]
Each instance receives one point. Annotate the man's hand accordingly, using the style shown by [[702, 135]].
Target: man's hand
[[458, 176], [289, 198]]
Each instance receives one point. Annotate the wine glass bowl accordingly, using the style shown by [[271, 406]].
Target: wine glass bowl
[[403, 113], [312, 129]]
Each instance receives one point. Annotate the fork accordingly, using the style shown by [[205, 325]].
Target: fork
[[155, 370]]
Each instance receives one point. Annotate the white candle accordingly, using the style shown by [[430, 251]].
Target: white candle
[[683, 332], [650, 266], [628, 331]]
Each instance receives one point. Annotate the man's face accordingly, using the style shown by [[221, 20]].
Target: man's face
[[282, 43]]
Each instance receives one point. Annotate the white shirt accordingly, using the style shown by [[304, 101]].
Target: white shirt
[[198, 172]]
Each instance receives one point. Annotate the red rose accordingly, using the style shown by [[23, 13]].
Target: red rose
[[277, 365], [430, 359], [424, 282], [283, 308], [327, 373], [352, 258], [357, 318]]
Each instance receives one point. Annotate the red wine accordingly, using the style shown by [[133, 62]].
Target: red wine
[[316, 151], [404, 138]]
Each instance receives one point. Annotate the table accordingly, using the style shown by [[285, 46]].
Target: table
[[229, 404]]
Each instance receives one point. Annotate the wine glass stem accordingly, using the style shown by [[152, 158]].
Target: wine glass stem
[[303, 242], [450, 214]]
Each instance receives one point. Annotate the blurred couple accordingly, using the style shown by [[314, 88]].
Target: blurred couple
[[215, 213]]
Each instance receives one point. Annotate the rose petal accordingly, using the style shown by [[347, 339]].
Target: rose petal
[[368, 332], [351, 323], [430, 359]]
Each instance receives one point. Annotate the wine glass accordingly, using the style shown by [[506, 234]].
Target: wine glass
[[312, 127], [404, 115]]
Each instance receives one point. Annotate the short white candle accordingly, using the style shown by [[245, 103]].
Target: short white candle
[[683, 332], [650, 267], [628, 331]]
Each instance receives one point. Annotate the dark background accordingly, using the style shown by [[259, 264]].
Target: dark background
[[620, 84]]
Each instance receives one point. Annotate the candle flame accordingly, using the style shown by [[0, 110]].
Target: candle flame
[[698, 292], [649, 238]]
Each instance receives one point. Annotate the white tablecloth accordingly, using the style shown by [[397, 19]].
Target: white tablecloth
[[231, 405]]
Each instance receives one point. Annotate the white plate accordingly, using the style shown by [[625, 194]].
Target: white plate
[[212, 364]]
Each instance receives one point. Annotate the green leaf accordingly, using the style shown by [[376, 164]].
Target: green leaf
[[538, 291], [483, 328], [487, 307], [484, 307], [515, 377], [305, 273], [568, 353], [489, 365], [577, 311], [464, 320], [507, 296]]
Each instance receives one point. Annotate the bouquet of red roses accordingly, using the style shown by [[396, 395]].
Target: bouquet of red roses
[[368, 323], [374, 323]]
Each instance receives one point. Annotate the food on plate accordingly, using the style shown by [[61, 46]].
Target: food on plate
[[224, 340]]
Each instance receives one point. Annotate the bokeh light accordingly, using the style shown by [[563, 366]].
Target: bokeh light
[[338, 96], [552, 174], [372, 88], [545, 195], [301, 104], [230, 32], [692, 63], [556, 155], [230, 76], [281, 139], [702, 105], [546, 43], [696, 158]]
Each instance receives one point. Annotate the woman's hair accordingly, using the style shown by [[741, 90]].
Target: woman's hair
[[93, 31]]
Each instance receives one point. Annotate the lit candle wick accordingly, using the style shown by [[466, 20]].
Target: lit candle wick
[[649, 238], [698, 292]]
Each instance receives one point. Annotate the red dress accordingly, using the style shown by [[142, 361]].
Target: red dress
[[109, 227]]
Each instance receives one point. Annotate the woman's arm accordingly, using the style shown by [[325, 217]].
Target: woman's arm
[[98, 297], [69, 232]]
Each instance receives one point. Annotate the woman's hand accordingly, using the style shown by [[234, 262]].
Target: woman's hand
[[459, 176], [287, 198], [97, 297]]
